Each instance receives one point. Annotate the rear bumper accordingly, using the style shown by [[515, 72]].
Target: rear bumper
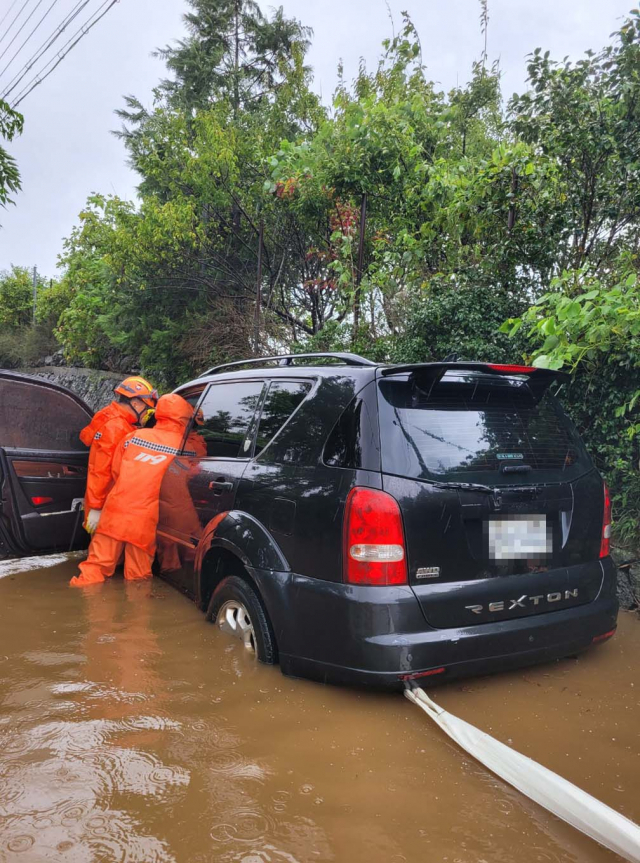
[[372, 636]]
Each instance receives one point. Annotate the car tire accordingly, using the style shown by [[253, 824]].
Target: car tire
[[237, 609]]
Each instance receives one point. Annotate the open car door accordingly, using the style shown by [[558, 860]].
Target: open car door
[[43, 466]]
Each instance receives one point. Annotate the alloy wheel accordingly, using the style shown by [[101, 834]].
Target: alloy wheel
[[233, 618]]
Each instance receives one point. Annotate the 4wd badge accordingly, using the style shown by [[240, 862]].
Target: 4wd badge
[[428, 572]]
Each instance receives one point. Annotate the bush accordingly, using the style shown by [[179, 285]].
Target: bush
[[464, 319], [25, 346]]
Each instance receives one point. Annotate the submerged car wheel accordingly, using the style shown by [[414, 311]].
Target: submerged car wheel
[[236, 609], [233, 618]]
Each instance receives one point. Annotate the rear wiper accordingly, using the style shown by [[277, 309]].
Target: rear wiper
[[472, 486], [465, 486]]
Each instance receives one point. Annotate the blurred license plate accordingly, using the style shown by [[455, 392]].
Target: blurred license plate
[[519, 537]]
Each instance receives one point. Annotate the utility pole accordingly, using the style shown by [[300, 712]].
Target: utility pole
[[256, 323], [359, 271], [35, 293], [236, 63]]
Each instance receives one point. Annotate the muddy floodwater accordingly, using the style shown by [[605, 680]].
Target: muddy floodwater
[[132, 730]]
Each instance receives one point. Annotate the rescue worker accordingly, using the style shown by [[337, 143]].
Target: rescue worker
[[108, 428], [177, 510], [130, 514]]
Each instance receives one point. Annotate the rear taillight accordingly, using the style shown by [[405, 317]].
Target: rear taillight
[[419, 674], [373, 539], [516, 370], [605, 542], [603, 637]]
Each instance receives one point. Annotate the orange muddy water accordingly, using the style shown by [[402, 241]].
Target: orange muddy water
[[132, 730]]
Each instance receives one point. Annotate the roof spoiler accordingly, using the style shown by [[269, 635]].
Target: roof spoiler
[[435, 371]]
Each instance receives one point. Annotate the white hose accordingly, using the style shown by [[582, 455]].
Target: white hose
[[546, 788]]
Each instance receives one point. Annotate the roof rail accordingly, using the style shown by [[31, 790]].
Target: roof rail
[[288, 360]]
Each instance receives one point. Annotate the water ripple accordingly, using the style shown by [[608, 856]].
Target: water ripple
[[241, 825]]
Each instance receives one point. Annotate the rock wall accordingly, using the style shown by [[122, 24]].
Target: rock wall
[[94, 387], [628, 581]]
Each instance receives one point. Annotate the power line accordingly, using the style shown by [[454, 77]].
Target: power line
[[28, 37], [8, 30], [6, 14], [44, 47], [80, 33], [21, 28]]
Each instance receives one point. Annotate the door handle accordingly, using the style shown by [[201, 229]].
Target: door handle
[[219, 485], [72, 470], [77, 505]]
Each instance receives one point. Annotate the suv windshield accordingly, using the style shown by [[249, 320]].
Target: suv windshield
[[476, 428]]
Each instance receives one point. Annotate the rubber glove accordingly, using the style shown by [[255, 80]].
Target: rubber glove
[[92, 521]]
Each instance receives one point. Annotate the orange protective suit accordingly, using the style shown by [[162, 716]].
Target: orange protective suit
[[107, 429], [105, 553], [130, 513], [178, 514]]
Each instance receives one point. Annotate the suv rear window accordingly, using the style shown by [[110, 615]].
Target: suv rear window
[[475, 424]]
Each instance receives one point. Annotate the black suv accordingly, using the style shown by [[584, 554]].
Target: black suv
[[362, 523], [374, 524]]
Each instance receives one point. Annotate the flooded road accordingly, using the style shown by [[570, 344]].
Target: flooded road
[[132, 730]]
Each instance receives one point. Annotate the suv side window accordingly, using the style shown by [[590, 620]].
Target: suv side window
[[227, 411], [355, 442], [343, 447], [281, 401], [193, 396]]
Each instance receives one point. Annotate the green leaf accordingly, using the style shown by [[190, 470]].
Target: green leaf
[[548, 327], [542, 362], [515, 328], [555, 363]]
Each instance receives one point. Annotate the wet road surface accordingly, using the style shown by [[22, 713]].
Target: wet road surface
[[132, 730]]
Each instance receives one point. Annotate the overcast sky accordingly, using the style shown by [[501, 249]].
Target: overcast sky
[[67, 152]]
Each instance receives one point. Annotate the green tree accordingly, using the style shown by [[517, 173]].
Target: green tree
[[22, 343], [233, 53], [11, 123], [437, 173], [584, 117], [16, 297], [172, 284]]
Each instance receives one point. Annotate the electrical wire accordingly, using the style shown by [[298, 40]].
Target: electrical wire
[[28, 37], [21, 28], [71, 43], [44, 47], [7, 31], [6, 14]]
